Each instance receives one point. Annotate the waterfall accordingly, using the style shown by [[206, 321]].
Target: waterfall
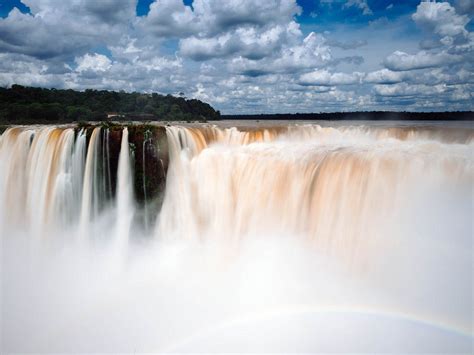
[[106, 164], [338, 189], [90, 192], [294, 236], [144, 180], [63, 206], [124, 192], [41, 167], [40, 180], [77, 172], [14, 150], [327, 185]]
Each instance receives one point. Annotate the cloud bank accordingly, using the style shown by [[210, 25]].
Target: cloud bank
[[249, 56]]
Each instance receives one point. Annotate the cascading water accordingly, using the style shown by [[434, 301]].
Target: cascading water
[[90, 191], [338, 188], [285, 238], [124, 192]]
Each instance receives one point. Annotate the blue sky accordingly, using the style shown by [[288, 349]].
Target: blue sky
[[247, 56], [309, 9]]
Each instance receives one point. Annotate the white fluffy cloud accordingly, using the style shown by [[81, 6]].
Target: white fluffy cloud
[[404, 89], [249, 42], [385, 76], [404, 61], [447, 38], [247, 28], [93, 62], [64, 28], [325, 78], [441, 18], [441, 71], [208, 18], [170, 18], [311, 53]]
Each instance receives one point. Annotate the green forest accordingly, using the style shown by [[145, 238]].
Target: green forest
[[20, 104]]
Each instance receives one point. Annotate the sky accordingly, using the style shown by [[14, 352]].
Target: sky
[[249, 56]]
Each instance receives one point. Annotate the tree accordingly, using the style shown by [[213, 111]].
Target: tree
[[20, 104]]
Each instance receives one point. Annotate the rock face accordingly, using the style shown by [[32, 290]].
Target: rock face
[[149, 157]]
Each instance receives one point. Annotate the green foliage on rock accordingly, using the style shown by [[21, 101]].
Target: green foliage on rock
[[20, 104]]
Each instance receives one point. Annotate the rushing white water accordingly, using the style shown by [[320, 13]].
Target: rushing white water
[[338, 189], [125, 203], [90, 191], [287, 238]]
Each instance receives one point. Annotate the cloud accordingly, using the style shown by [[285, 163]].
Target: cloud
[[404, 89], [448, 43], [311, 53], [170, 18], [38, 43], [93, 62], [24, 70], [96, 11], [385, 76], [208, 18], [455, 76], [221, 15], [250, 29], [245, 56], [355, 59], [325, 78], [441, 18], [347, 45], [403, 61], [430, 43], [464, 6], [346, 4], [64, 28], [248, 42], [432, 76], [361, 4]]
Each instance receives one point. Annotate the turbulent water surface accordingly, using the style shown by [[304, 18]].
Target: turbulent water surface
[[283, 237]]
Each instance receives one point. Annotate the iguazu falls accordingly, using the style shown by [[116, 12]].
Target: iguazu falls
[[243, 236], [237, 176]]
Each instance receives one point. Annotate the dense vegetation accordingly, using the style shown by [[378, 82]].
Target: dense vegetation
[[370, 116], [20, 104]]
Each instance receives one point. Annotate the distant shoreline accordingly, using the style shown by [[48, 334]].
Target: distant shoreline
[[359, 116]]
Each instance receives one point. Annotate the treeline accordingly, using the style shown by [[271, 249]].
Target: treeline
[[369, 115], [20, 104]]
